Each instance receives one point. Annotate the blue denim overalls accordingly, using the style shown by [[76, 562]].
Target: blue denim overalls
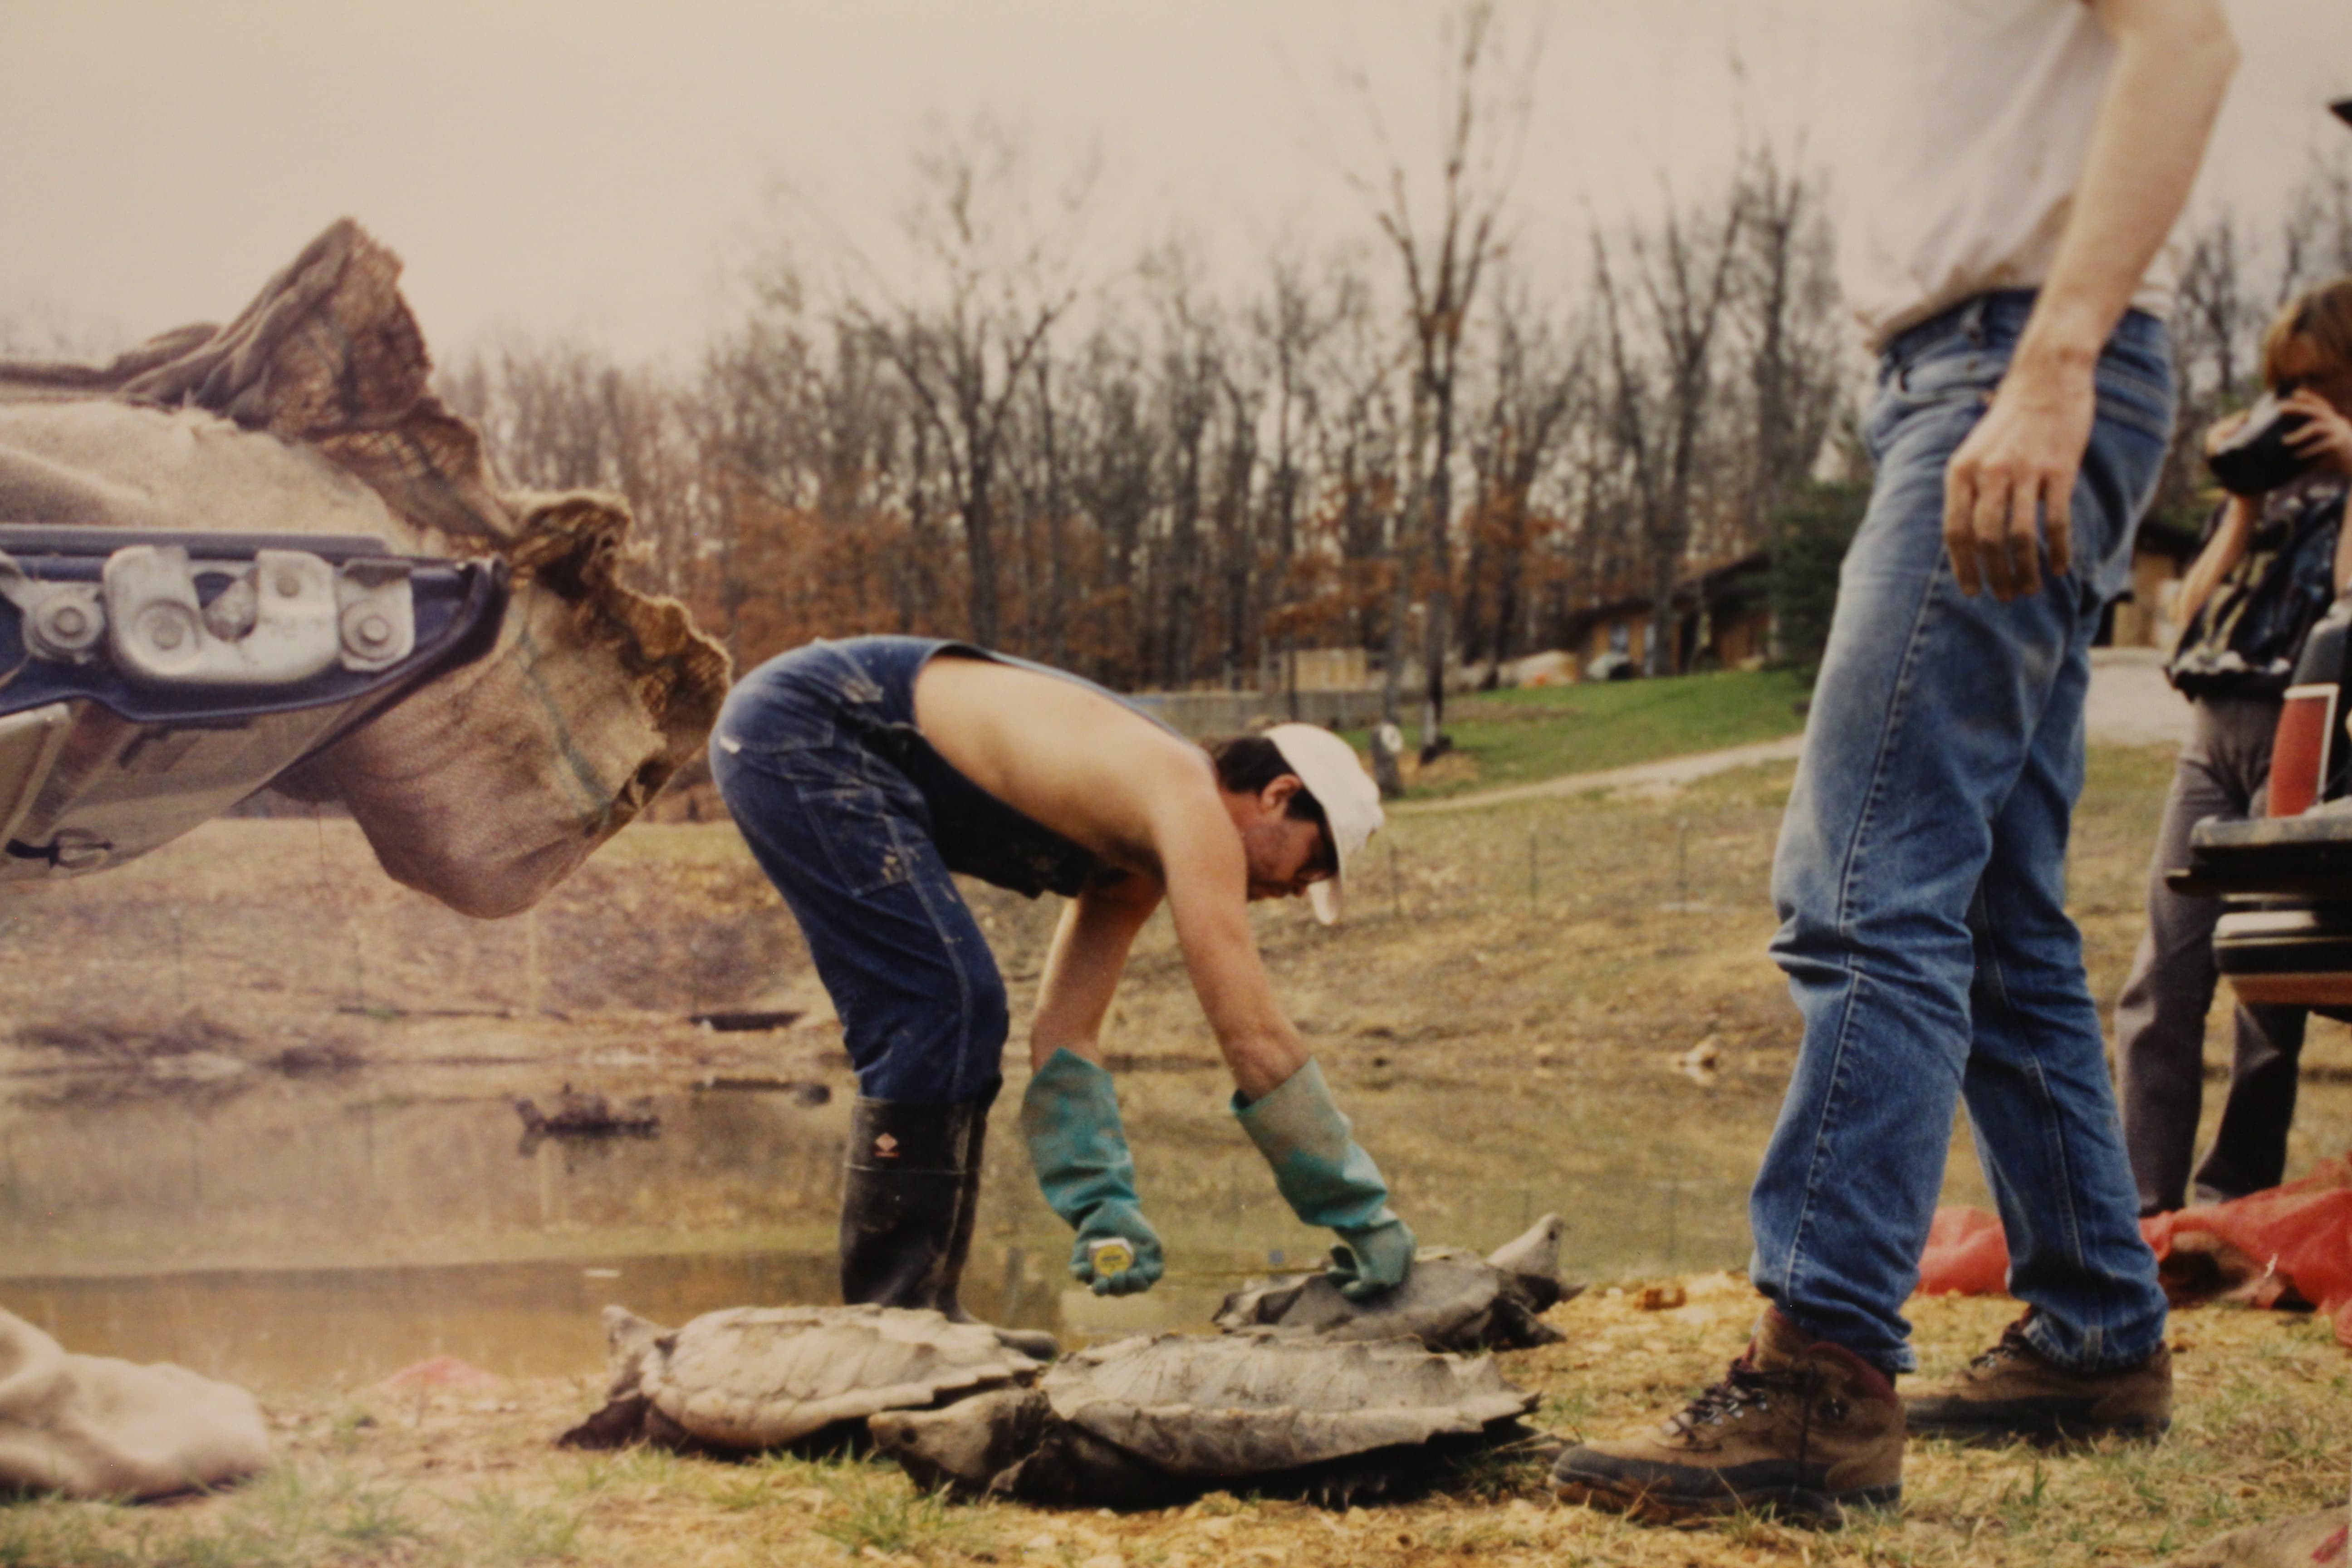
[[860, 823]]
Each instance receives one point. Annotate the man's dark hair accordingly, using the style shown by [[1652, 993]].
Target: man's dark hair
[[1247, 763]]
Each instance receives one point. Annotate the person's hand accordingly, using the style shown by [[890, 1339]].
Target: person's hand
[[2021, 457], [1069, 1116], [1372, 1258], [2325, 436], [1116, 1252], [2224, 428], [1327, 1180]]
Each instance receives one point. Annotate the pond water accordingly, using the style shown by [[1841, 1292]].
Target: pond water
[[283, 1232]]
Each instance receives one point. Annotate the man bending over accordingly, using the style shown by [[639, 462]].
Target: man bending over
[[863, 772]]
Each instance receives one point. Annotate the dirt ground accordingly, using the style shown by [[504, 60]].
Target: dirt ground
[[1551, 1004]]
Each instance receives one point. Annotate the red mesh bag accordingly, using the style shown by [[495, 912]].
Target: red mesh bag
[[2291, 1245], [1966, 1255]]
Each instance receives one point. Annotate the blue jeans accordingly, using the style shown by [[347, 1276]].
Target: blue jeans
[[846, 838], [1920, 880]]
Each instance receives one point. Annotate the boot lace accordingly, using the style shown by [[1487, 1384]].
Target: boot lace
[[2012, 1346], [1744, 1387]]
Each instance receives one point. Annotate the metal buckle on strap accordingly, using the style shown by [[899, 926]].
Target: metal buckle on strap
[[279, 617]]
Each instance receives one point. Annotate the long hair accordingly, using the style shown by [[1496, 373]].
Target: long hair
[[2320, 317]]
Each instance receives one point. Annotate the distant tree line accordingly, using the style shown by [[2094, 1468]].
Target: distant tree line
[[1429, 445]]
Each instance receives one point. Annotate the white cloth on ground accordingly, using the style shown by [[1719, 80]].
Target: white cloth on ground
[[93, 1426]]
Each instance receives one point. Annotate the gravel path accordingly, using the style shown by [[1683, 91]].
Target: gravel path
[[2130, 705]]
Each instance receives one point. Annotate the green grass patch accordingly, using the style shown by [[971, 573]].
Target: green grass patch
[[504, 1528], [884, 1512], [1542, 732]]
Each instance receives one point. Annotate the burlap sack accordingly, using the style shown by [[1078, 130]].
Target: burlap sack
[[487, 786], [92, 1427]]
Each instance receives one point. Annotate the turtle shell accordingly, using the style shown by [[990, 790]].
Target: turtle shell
[[759, 1377], [1452, 1299], [1225, 1408], [1446, 1303]]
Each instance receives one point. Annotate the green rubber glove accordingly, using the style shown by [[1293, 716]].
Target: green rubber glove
[[1070, 1117], [1328, 1179]]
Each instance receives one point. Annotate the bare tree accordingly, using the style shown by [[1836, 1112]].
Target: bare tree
[[1116, 450], [1784, 301], [1000, 285], [1441, 267], [2216, 318], [1364, 461], [1289, 326], [812, 466], [1661, 386], [1190, 367], [1235, 516], [563, 415], [1534, 385]]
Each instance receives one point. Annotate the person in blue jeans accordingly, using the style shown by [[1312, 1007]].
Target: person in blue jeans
[[863, 773], [2013, 271]]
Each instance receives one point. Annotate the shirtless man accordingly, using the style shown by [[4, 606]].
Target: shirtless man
[[864, 771]]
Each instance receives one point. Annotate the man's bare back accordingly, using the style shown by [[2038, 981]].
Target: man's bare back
[[1093, 770]]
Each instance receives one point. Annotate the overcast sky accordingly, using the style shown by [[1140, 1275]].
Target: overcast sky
[[606, 170]]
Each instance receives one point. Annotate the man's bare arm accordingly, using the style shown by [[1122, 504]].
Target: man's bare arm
[[2174, 59], [1207, 878], [1145, 800], [1083, 966]]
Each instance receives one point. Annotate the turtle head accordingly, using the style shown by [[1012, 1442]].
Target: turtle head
[[628, 1339], [970, 1443], [1533, 1259]]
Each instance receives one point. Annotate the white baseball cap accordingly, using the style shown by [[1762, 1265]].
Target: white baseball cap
[[1328, 766]]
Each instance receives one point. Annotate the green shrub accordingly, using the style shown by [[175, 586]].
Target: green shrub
[[1810, 534]]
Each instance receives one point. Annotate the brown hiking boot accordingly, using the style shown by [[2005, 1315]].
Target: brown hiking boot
[[1807, 1429], [2014, 1391]]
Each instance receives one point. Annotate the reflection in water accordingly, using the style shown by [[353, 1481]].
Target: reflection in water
[[584, 1118], [306, 1175], [304, 1232], [320, 1328], [302, 1175], [313, 1328]]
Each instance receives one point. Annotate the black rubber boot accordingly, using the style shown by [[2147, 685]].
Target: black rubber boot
[[910, 1190], [899, 1194], [1035, 1343]]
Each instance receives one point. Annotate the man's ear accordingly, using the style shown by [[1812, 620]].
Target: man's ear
[[1276, 795]]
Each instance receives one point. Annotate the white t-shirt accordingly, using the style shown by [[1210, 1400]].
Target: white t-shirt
[[1976, 154]]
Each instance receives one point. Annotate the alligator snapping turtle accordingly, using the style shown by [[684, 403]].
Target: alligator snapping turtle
[[1453, 1300], [760, 1377], [1147, 1422]]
